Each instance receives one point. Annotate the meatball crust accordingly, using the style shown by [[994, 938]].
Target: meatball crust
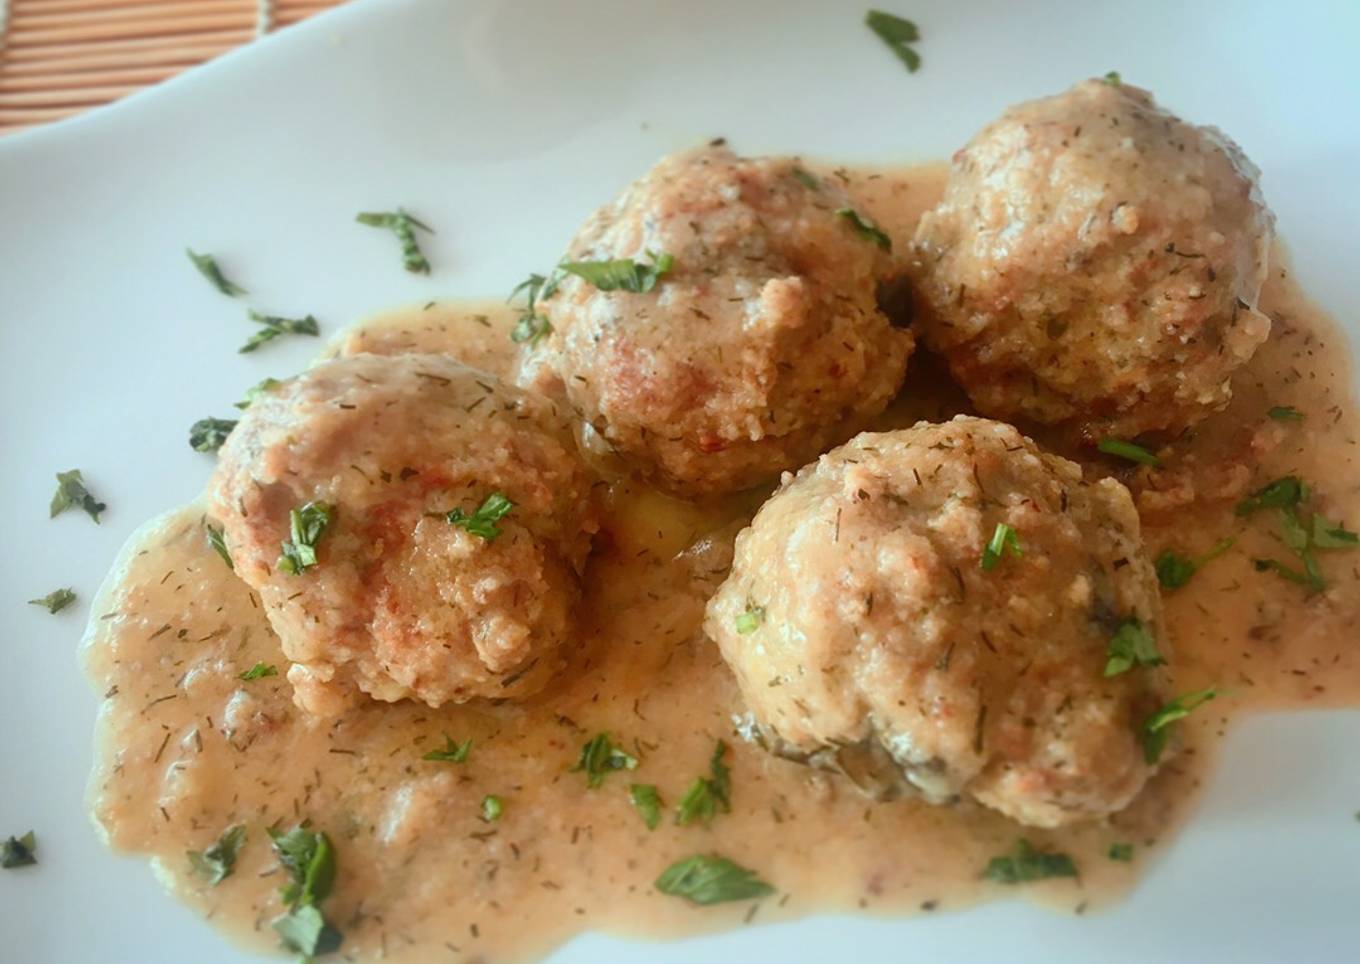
[[761, 346], [402, 603], [867, 637], [1095, 262]]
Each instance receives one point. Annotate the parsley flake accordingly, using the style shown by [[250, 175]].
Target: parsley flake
[[1174, 570], [452, 752], [207, 267], [19, 851], [1332, 535], [805, 178], [899, 34], [749, 621], [306, 526], [707, 795], [404, 226], [1122, 852], [1025, 864], [622, 274], [482, 522], [215, 864], [1113, 78], [1131, 645], [865, 228], [1003, 541], [647, 801], [1127, 450], [1283, 493], [257, 391], [492, 808], [259, 671], [56, 600], [72, 494], [1286, 413], [533, 327], [711, 879], [208, 434], [274, 326], [218, 541], [600, 757], [1155, 730], [309, 860]]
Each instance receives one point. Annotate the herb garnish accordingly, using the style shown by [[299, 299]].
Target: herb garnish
[[309, 859], [482, 522], [1155, 729], [208, 434], [71, 493], [865, 228], [707, 795], [492, 808], [306, 526], [452, 752], [207, 267], [56, 600], [1003, 540], [621, 274], [1283, 493], [255, 391], [749, 621], [404, 226], [1286, 413], [259, 671], [1113, 78], [216, 863], [599, 757], [1127, 450], [1122, 852], [1025, 864], [274, 326], [1286, 495], [532, 326], [648, 803], [1131, 645], [710, 879], [898, 34], [805, 178], [218, 541], [19, 851], [1174, 570]]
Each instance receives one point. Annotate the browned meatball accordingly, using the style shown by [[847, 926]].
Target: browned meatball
[[400, 601], [869, 636], [1096, 262], [761, 344]]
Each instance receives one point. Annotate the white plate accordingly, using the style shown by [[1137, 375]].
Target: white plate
[[503, 123]]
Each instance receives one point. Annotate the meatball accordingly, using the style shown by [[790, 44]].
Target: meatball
[[1096, 263], [762, 343], [399, 600], [870, 632]]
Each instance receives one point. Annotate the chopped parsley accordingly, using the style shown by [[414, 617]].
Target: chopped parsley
[[207, 267], [865, 228], [482, 522], [1131, 645], [492, 808], [749, 621], [707, 795], [215, 864], [1004, 540], [309, 860], [806, 178], [1283, 493], [1113, 78], [1286, 413], [452, 752], [254, 393], [898, 34], [208, 434], [1127, 450], [403, 225], [1122, 852], [647, 802], [218, 541], [1024, 864], [306, 526], [259, 671], [56, 600], [1332, 535], [274, 326], [710, 879], [622, 274], [1286, 495], [533, 327], [1156, 728], [1174, 570], [19, 851], [600, 757], [72, 494]]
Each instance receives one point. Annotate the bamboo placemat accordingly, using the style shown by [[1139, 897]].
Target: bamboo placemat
[[61, 57]]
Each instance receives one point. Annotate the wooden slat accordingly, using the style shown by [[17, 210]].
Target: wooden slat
[[219, 40]]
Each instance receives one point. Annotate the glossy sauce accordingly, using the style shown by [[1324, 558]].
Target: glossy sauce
[[186, 749]]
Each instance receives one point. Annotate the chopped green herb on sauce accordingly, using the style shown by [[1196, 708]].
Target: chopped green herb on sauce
[[452, 752], [530, 328], [1127, 450], [707, 795], [254, 393], [55, 601], [647, 801], [1025, 864], [309, 860], [533, 327], [1122, 852], [600, 757], [1131, 645], [899, 34], [218, 541], [207, 267], [1283, 493], [1286, 495], [404, 226], [306, 526], [1113, 78], [1332, 535], [1156, 728], [865, 228], [749, 621], [72, 494], [19, 851], [215, 864], [482, 522], [622, 274], [1175, 570], [1286, 413], [208, 434], [1004, 540], [492, 808], [710, 879], [274, 326], [259, 671]]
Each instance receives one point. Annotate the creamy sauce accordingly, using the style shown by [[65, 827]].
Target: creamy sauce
[[186, 749]]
